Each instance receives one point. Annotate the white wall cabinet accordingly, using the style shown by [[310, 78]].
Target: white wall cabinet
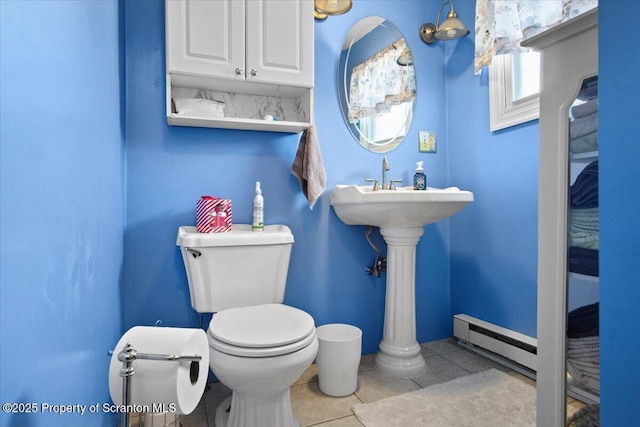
[[205, 38], [256, 56]]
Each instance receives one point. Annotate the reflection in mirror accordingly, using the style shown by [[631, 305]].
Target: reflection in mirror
[[376, 84], [583, 338]]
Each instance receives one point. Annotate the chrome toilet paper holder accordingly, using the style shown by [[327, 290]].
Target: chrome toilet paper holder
[[128, 355]]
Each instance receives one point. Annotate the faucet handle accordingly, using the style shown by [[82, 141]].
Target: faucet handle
[[392, 183], [376, 187]]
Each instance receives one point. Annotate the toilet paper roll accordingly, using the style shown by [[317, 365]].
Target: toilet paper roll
[[158, 385]]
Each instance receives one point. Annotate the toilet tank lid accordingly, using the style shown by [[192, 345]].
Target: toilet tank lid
[[240, 235]]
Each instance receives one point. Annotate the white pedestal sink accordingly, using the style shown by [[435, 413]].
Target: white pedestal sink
[[401, 215]]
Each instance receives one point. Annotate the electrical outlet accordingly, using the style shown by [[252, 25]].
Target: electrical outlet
[[427, 142]]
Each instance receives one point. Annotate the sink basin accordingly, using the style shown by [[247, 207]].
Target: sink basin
[[404, 207]]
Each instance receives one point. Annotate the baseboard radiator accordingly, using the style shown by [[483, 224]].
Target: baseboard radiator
[[497, 343], [509, 348]]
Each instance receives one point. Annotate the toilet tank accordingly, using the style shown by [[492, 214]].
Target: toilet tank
[[237, 268]]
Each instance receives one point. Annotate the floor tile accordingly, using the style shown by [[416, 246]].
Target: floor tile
[[309, 375], [472, 362], [351, 421], [198, 418], [215, 394], [425, 352], [443, 346], [367, 362], [311, 406], [440, 370], [374, 385]]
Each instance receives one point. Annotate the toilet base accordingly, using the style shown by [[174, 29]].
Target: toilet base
[[246, 412], [260, 385]]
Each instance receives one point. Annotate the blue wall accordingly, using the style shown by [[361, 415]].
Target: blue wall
[[619, 212], [494, 242], [61, 205], [169, 168], [65, 275]]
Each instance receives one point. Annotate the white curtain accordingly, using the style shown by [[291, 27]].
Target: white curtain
[[502, 24], [380, 82]]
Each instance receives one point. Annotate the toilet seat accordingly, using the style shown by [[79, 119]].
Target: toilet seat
[[261, 330]]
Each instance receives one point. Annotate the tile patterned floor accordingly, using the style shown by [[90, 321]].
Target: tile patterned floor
[[446, 360]]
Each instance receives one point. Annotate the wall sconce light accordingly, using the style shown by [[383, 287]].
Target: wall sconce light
[[452, 28], [324, 8]]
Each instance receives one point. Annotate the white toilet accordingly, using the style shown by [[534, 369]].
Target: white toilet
[[257, 346]]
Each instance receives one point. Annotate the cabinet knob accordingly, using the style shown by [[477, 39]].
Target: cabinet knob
[[254, 72], [239, 71]]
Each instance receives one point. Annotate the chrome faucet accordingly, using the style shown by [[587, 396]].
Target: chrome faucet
[[384, 186], [385, 168]]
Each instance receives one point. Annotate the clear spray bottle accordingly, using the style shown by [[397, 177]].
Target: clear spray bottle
[[258, 210]]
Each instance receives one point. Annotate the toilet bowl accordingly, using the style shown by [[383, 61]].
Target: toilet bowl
[[258, 352], [258, 346]]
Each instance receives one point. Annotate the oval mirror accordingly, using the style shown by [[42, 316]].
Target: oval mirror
[[376, 84]]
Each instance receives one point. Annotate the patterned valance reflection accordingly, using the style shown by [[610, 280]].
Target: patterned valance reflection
[[381, 82], [502, 24]]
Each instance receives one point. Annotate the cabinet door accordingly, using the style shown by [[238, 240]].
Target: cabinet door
[[280, 42], [206, 37]]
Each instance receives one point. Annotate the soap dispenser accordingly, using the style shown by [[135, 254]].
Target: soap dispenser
[[419, 179]]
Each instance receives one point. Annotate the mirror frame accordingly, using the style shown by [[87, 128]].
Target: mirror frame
[[360, 30]]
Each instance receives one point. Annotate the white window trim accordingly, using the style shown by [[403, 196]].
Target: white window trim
[[503, 111]]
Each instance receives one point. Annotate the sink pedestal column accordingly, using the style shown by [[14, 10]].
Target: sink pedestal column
[[399, 351]]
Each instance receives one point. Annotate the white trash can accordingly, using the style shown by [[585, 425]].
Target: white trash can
[[338, 358]]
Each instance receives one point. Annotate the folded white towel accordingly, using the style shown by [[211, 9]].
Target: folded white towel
[[308, 166], [583, 361], [199, 107], [583, 125], [581, 110], [582, 144]]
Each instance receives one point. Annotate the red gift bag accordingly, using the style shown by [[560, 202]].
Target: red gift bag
[[213, 215]]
